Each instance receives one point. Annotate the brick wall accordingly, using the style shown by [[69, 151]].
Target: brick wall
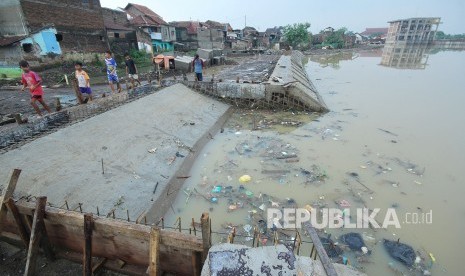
[[80, 22], [117, 17]]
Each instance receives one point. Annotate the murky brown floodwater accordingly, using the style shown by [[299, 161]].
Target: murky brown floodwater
[[423, 111]]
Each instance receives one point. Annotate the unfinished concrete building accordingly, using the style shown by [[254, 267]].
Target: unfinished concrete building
[[413, 30], [407, 41]]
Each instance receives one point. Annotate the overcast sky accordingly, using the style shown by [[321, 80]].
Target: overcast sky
[[356, 15]]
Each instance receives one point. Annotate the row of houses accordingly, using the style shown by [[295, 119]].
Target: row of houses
[[42, 29], [39, 30]]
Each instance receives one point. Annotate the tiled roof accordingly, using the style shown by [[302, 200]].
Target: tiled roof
[[191, 26], [148, 14], [369, 31]]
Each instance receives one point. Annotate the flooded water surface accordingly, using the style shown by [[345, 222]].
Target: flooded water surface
[[394, 139]]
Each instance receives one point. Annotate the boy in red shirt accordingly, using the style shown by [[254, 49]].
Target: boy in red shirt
[[33, 81]]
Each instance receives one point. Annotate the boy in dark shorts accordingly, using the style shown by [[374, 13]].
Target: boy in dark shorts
[[83, 82], [131, 70], [31, 80]]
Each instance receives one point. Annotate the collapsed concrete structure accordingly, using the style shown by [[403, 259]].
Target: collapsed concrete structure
[[288, 86]]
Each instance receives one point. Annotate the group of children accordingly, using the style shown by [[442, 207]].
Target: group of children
[[33, 81]]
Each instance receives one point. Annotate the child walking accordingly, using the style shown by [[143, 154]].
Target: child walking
[[83, 82], [131, 70], [111, 72], [32, 80]]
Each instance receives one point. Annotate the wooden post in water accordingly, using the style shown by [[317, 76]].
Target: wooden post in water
[[319, 250], [206, 234]]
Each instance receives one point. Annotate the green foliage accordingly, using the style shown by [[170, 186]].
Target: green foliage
[[140, 57], [297, 34], [336, 38], [442, 35], [97, 61], [7, 73]]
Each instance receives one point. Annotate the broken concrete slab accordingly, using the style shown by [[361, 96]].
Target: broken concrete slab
[[73, 169], [289, 79], [288, 88], [183, 63], [234, 259]]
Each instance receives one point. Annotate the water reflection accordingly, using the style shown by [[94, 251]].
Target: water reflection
[[405, 56], [332, 60]]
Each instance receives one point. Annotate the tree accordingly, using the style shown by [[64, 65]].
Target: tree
[[297, 34], [336, 38]]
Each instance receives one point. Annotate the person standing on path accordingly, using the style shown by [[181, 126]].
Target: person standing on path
[[83, 82], [131, 70], [198, 65], [32, 80], [111, 72]]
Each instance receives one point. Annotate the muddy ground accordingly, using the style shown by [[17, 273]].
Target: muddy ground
[[13, 262]]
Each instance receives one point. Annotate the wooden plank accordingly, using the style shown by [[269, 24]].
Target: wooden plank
[[8, 192], [36, 235], [96, 268], [325, 260], [109, 236], [10, 204], [87, 257], [196, 263], [206, 234], [154, 269]]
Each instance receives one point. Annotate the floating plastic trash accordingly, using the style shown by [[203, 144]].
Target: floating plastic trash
[[245, 178], [249, 193], [232, 207], [217, 189], [344, 203], [214, 200], [247, 228], [309, 208]]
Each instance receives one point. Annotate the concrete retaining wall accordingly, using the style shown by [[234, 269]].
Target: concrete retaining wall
[[288, 88], [139, 146]]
